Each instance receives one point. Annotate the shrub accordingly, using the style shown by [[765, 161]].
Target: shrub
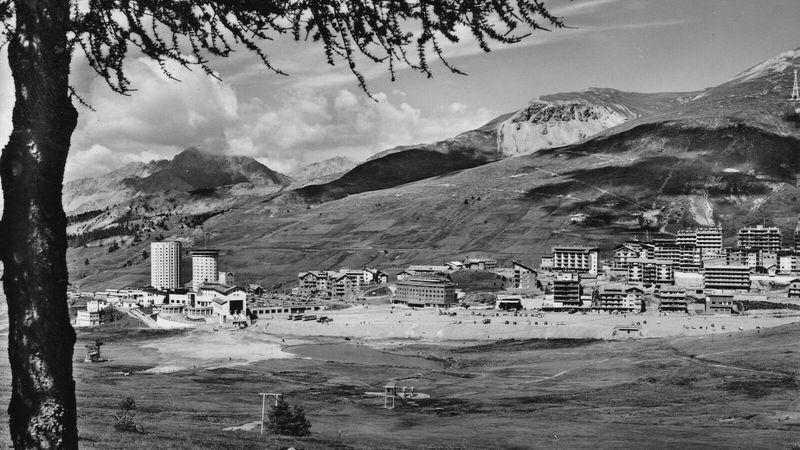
[[286, 420], [123, 419]]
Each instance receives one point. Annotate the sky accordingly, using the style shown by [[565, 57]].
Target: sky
[[319, 111]]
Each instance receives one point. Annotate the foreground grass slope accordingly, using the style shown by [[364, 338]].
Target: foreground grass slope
[[689, 392]]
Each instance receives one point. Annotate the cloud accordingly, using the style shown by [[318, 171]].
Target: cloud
[[311, 125], [580, 7], [161, 116], [297, 124], [99, 159]]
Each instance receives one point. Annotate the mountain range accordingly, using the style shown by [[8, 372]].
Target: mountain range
[[594, 167]]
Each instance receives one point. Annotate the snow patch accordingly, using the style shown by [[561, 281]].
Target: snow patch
[[731, 170], [164, 369]]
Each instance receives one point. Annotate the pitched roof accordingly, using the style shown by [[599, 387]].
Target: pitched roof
[[523, 266], [220, 288]]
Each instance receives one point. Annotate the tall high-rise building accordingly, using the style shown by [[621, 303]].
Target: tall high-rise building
[[205, 265], [165, 265]]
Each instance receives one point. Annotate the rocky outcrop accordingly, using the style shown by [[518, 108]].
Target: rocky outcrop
[[546, 124]]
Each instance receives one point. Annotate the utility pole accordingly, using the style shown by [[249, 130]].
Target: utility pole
[[795, 90]]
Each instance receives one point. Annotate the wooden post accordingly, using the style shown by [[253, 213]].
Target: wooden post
[[264, 396], [263, 405]]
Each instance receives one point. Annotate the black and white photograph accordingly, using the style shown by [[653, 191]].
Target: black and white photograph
[[400, 224]]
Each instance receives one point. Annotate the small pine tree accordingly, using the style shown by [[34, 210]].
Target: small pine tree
[[286, 420]]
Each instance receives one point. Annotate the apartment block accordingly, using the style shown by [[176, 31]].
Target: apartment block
[[759, 237], [618, 297], [727, 277], [426, 291], [524, 276], [575, 259], [567, 290], [672, 299], [708, 239], [624, 253], [651, 271]]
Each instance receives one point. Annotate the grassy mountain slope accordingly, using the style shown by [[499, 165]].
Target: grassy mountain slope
[[709, 160], [407, 164]]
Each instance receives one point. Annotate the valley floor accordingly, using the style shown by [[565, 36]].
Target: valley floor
[[681, 387]]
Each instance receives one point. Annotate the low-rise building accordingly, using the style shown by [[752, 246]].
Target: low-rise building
[[225, 300], [197, 312], [426, 291], [426, 270], [794, 288], [721, 303], [343, 285], [787, 261], [618, 298], [623, 254], [750, 257], [479, 263], [672, 299], [376, 276], [181, 298], [508, 302], [226, 278], [266, 310], [404, 275], [96, 305], [313, 281], [176, 309], [87, 318]]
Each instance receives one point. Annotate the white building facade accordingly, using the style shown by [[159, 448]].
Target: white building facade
[[165, 265], [205, 267]]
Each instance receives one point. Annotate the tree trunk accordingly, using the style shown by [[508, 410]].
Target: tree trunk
[[41, 340]]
